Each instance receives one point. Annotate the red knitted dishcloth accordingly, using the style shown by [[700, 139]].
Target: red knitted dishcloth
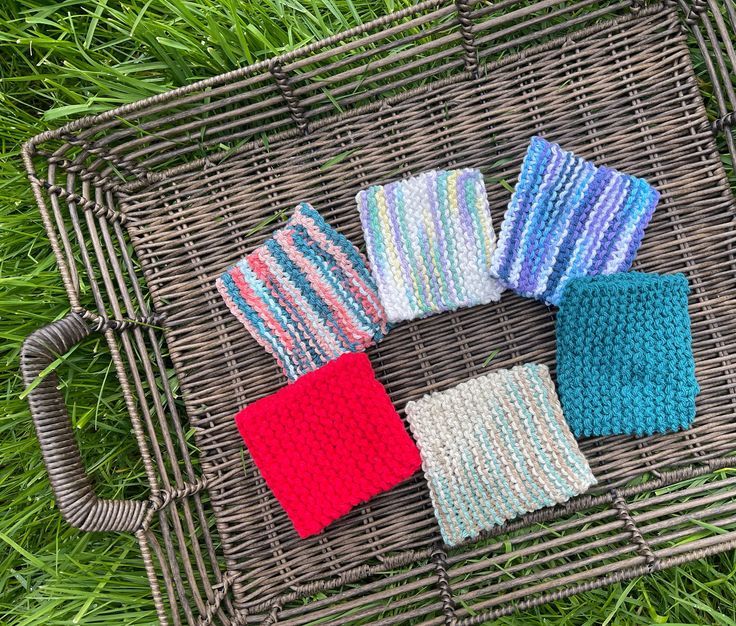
[[328, 442]]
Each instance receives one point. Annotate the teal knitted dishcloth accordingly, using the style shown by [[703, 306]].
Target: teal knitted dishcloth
[[624, 355]]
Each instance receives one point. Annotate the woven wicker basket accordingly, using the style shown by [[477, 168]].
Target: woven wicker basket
[[146, 204]]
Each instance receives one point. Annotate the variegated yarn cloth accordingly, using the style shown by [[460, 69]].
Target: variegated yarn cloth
[[496, 447]]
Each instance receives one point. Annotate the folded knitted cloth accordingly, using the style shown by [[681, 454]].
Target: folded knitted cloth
[[624, 355], [429, 240], [496, 447], [328, 442], [568, 218], [305, 295]]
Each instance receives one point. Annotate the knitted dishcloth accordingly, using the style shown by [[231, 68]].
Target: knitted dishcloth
[[328, 442], [496, 447], [624, 355], [429, 240], [305, 295], [568, 218]]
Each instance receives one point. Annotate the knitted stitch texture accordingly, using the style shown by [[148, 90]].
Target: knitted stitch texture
[[305, 295], [429, 240], [624, 355], [568, 218], [328, 442], [496, 447]]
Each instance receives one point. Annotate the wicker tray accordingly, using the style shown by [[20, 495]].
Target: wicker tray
[[145, 205]]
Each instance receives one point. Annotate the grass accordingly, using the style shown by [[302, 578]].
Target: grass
[[64, 59]]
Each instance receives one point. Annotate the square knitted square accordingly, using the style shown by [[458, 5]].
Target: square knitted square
[[328, 442], [568, 218], [624, 355], [429, 241], [496, 447], [305, 295]]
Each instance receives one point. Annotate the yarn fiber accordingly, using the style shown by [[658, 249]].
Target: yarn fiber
[[568, 218], [430, 240], [496, 447], [328, 442], [305, 295], [624, 355]]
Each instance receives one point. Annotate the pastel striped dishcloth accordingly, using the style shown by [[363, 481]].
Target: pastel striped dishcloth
[[305, 295], [430, 240], [568, 218], [496, 447]]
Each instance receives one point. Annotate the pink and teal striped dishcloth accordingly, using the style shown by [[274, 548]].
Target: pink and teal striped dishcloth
[[305, 295]]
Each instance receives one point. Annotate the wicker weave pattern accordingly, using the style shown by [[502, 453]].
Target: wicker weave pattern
[[145, 205]]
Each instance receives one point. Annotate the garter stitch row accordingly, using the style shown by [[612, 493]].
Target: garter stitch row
[[305, 295], [430, 240], [624, 355], [568, 218], [496, 447], [328, 442]]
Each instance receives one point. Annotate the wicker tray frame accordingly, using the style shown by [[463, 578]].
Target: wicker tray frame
[[128, 197]]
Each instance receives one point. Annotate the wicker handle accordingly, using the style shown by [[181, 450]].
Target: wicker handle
[[72, 487]]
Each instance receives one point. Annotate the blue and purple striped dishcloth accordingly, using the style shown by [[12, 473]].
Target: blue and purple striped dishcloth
[[568, 218]]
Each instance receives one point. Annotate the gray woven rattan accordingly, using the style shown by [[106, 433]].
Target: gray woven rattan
[[145, 206]]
